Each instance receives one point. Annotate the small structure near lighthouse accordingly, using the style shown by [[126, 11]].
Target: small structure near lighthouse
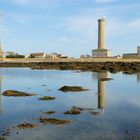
[[101, 51], [132, 55], [1, 51]]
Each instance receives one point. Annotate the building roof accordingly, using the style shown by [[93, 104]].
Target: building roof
[[55, 54], [130, 54], [37, 54]]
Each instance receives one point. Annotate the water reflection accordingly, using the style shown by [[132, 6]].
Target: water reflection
[[0, 91], [101, 77], [138, 77], [101, 95], [118, 101]]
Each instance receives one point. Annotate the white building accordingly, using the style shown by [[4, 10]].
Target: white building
[[37, 55], [54, 55]]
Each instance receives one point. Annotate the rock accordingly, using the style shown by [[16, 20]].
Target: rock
[[77, 108], [47, 98], [16, 93], [43, 85], [2, 138], [49, 90], [73, 111], [126, 131], [72, 89], [54, 121], [94, 113], [48, 113], [26, 125], [134, 138], [112, 66]]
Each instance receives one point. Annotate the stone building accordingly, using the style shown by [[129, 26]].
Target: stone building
[[138, 50], [37, 55], [133, 55]]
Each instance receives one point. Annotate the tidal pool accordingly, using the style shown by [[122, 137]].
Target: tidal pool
[[110, 108]]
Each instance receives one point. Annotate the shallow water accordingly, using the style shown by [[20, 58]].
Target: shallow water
[[116, 100]]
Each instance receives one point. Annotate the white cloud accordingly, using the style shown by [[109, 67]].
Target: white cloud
[[104, 1], [84, 25], [42, 2], [21, 1], [25, 18], [48, 2], [116, 26], [32, 2], [135, 24]]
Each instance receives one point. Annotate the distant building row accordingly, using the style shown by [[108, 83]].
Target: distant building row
[[45, 55], [32, 55]]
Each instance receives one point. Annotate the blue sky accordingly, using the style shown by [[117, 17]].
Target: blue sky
[[68, 26]]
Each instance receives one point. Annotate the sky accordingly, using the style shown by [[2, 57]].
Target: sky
[[69, 27]]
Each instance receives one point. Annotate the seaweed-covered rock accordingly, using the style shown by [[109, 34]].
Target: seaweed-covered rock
[[76, 110], [72, 89], [133, 137], [16, 93], [2, 138], [73, 111], [94, 113], [47, 98], [54, 121], [48, 112], [26, 125]]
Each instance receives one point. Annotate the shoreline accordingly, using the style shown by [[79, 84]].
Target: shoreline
[[95, 65]]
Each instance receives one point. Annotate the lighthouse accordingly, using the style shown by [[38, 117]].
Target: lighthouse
[[101, 51]]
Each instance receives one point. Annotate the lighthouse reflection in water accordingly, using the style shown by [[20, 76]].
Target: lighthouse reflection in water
[[102, 78]]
